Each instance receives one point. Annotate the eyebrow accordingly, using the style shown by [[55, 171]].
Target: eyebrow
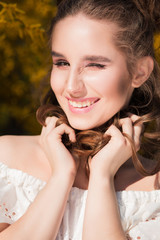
[[91, 58], [55, 54]]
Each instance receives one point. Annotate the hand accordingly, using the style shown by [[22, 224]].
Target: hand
[[60, 159], [118, 150]]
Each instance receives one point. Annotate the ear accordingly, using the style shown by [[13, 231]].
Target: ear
[[144, 68]]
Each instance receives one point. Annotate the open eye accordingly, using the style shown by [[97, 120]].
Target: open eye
[[96, 65], [61, 63]]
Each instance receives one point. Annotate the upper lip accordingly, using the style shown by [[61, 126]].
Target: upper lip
[[83, 99]]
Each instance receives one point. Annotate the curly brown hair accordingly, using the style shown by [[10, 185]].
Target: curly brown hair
[[137, 21]]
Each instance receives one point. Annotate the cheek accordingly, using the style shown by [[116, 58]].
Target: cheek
[[115, 84], [56, 82], [123, 85], [107, 84]]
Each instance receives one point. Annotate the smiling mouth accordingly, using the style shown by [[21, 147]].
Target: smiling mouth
[[83, 104]]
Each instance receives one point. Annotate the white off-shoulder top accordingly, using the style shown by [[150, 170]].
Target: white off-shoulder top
[[140, 211]]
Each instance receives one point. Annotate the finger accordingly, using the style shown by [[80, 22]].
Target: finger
[[138, 128], [135, 119], [127, 126], [114, 132], [51, 121], [47, 120], [118, 142], [50, 125], [137, 135], [64, 128]]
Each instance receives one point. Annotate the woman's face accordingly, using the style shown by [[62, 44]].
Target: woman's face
[[89, 75]]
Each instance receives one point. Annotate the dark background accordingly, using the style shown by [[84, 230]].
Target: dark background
[[24, 62]]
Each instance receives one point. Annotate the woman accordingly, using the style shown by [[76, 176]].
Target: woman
[[77, 180]]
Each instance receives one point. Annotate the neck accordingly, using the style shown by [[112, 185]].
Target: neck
[[81, 180], [128, 164]]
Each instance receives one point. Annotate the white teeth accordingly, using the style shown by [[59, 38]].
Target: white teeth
[[74, 104], [80, 104]]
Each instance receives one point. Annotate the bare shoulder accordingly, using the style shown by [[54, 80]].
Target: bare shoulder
[[22, 153], [148, 183], [11, 147], [12, 140], [130, 180]]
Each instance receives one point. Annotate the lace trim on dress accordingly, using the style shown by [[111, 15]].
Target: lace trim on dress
[[139, 210], [17, 191], [19, 177]]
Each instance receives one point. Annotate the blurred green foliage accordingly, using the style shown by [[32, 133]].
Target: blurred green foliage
[[157, 46], [24, 62]]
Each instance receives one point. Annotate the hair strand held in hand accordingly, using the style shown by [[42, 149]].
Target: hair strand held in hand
[[138, 21]]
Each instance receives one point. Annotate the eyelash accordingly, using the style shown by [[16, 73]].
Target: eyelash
[[98, 65], [63, 64]]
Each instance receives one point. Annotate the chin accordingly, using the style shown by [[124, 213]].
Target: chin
[[80, 125]]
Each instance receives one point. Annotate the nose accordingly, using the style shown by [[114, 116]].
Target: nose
[[75, 86]]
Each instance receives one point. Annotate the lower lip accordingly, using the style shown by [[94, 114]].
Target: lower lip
[[81, 110]]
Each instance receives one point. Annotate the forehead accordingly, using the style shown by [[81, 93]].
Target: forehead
[[83, 32]]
